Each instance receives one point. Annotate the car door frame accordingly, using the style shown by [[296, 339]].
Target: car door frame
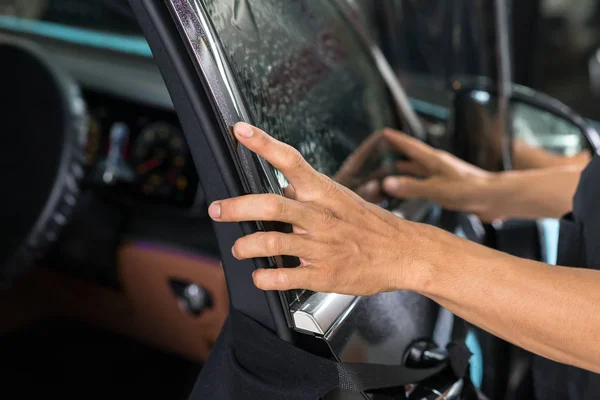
[[217, 170]]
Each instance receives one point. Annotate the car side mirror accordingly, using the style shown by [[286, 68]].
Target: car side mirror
[[539, 128], [539, 131]]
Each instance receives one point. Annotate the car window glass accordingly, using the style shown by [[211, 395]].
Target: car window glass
[[430, 42], [304, 76], [307, 79], [571, 30]]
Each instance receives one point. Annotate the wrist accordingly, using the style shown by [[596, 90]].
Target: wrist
[[433, 250], [452, 264], [496, 194], [525, 194]]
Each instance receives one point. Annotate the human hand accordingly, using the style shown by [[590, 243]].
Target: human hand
[[345, 244], [444, 179], [351, 173]]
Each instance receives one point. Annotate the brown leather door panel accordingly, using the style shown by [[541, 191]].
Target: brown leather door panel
[[145, 308]]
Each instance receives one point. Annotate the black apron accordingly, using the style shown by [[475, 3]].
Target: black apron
[[578, 246], [248, 362]]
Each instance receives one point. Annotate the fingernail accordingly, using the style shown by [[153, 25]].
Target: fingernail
[[255, 278], [391, 183], [243, 129], [214, 210], [233, 252], [372, 186]]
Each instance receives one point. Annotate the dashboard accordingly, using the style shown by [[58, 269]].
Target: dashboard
[[135, 154], [104, 15], [138, 152]]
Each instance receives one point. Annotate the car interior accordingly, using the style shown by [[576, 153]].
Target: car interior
[[123, 282], [113, 279]]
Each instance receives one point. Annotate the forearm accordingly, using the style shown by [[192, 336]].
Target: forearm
[[541, 193], [528, 157], [551, 311]]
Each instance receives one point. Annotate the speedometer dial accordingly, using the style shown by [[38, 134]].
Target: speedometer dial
[[160, 157]]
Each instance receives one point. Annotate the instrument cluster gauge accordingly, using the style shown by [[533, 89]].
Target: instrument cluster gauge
[[160, 160]]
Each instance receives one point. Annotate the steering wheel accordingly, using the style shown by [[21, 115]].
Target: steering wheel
[[41, 158]]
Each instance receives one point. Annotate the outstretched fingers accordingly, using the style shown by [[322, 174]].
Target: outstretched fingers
[[282, 156], [414, 149], [287, 278], [271, 244], [261, 207], [408, 187]]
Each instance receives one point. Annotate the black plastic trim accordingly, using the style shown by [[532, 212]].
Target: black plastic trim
[[213, 160]]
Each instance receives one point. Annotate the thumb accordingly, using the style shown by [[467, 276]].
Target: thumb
[[407, 187]]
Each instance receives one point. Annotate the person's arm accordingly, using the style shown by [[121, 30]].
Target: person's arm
[[528, 157], [457, 185], [551, 311], [533, 194], [347, 245]]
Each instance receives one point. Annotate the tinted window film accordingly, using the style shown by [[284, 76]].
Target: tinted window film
[[304, 76], [566, 56], [431, 42]]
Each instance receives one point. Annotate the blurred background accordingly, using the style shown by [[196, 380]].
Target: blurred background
[[555, 43]]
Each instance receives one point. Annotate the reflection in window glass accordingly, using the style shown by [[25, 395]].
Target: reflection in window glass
[[304, 76]]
